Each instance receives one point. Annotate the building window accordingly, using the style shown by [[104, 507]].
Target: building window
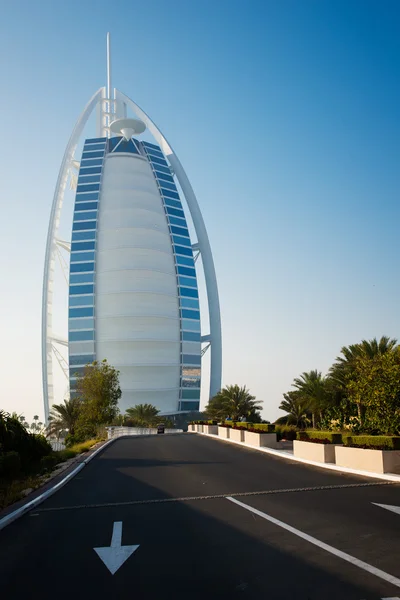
[[160, 169], [75, 290], [173, 203], [81, 256], [158, 161], [81, 300], [85, 206], [191, 325], [77, 236], [189, 303], [85, 216], [81, 278], [81, 267], [85, 225], [91, 187], [81, 359], [165, 177], [81, 336], [170, 194], [183, 241], [183, 250], [190, 314], [95, 140], [84, 179], [80, 324], [85, 197], [191, 336], [191, 359], [89, 170], [92, 147], [79, 246], [86, 155], [167, 185], [180, 230], [184, 260], [191, 394], [188, 292], [187, 271], [80, 312], [190, 406], [98, 162], [187, 281]]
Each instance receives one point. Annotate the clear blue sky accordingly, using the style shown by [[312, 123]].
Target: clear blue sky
[[286, 117]]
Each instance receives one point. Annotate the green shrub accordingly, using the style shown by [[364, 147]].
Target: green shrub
[[286, 432], [47, 463], [65, 454], [328, 437], [261, 427], [10, 464], [84, 446], [377, 442]]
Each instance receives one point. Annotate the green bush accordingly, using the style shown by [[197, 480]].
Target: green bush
[[84, 446], [261, 427], [377, 442], [10, 465], [65, 454], [328, 437], [47, 463], [286, 432]]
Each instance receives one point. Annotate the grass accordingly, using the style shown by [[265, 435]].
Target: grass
[[12, 492]]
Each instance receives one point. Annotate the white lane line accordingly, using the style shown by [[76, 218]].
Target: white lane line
[[312, 540], [395, 509]]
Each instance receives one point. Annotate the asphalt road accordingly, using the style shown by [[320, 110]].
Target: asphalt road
[[171, 494]]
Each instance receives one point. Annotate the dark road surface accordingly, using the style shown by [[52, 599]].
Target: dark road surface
[[195, 545]]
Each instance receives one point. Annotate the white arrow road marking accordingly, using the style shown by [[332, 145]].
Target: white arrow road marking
[[115, 555], [395, 509], [312, 540]]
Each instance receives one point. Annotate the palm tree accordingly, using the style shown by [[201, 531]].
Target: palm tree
[[64, 417], [343, 369], [143, 415], [312, 388], [233, 402], [298, 408]]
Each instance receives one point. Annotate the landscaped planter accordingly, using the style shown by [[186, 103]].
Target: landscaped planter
[[211, 429], [200, 428], [324, 453], [223, 432], [192, 427], [265, 440], [374, 461], [237, 435]]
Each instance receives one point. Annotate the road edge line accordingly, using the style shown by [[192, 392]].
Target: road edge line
[[16, 514], [356, 562], [313, 463]]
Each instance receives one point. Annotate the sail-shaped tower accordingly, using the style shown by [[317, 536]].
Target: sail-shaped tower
[[133, 293]]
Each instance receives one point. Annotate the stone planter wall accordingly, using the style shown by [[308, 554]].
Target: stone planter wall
[[266, 440], [373, 461], [211, 429], [324, 453], [237, 435], [223, 432], [192, 427]]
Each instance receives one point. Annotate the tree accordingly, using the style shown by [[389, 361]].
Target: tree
[[99, 391], [298, 408], [143, 415], [233, 402], [64, 417], [344, 370], [311, 386], [375, 388]]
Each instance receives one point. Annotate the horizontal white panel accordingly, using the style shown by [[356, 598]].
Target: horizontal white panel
[[191, 347], [139, 353], [134, 258], [133, 217], [137, 328], [136, 281], [166, 401], [150, 378], [134, 237], [81, 348], [144, 304]]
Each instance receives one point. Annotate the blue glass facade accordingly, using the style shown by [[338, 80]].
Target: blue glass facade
[[82, 310]]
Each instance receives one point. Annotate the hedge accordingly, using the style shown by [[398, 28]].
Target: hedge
[[261, 427], [287, 432], [328, 437], [10, 464], [378, 442]]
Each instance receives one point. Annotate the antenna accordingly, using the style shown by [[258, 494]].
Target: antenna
[[108, 68]]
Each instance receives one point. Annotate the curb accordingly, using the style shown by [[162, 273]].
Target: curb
[[39, 499], [285, 454]]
